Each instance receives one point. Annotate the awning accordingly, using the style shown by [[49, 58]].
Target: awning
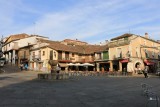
[[147, 62], [63, 65], [70, 64], [87, 64], [78, 64], [124, 61]]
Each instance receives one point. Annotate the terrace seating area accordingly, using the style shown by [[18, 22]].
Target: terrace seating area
[[71, 74]]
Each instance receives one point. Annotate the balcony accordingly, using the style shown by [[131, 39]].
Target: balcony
[[98, 59], [36, 57], [23, 57], [118, 43], [64, 60]]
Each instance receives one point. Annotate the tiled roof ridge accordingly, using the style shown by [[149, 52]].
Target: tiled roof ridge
[[57, 45], [17, 36], [75, 40], [122, 36]]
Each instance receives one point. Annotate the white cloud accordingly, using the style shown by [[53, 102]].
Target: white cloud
[[91, 21]]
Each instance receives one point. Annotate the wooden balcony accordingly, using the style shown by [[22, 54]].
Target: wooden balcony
[[64, 60]]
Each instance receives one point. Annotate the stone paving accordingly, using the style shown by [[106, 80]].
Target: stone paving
[[23, 89]]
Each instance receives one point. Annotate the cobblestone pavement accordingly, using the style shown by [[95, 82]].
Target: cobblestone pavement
[[24, 90]]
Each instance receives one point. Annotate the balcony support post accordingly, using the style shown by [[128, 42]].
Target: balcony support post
[[97, 67], [120, 66], [111, 66], [13, 57]]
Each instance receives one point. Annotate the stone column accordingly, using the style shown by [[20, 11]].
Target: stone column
[[9, 58], [66, 69], [120, 66], [13, 57], [111, 66], [97, 66]]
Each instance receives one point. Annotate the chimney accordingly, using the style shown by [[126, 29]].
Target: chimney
[[100, 43], [146, 35], [106, 41]]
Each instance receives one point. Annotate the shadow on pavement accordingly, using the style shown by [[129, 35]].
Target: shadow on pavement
[[81, 92]]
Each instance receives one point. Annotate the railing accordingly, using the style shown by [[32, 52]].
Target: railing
[[98, 58], [64, 59], [118, 43], [36, 57], [23, 57]]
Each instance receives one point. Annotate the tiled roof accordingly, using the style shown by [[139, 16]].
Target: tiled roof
[[150, 39], [82, 49], [89, 49], [16, 37], [122, 36], [74, 41]]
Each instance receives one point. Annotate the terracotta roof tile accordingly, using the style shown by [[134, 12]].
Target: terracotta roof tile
[[82, 49], [16, 37], [122, 36]]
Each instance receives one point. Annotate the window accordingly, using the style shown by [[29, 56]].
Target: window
[[99, 56], [136, 51], [146, 53], [67, 55], [51, 55], [153, 54], [55, 54], [158, 56], [60, 55], [144, 42], [33, 54], [119, 52], [43, 53], [105, 55], [72, 54], [39, 55], [24, 54], [128, 54]]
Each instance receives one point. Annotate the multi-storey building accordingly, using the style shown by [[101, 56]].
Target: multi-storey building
[[64, 52], [16, 47], [126, 51], [133, 52]]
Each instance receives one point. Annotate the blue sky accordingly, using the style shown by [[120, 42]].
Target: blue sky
[[92, 21]]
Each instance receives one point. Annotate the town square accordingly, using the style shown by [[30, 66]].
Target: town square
[[23, 89], [79, 53]]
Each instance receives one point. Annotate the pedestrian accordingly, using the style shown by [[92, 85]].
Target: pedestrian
[[58, 69], [125, 71], [146, 71], [26, 66], [21, 66]]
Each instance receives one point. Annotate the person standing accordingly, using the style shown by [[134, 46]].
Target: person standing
[[124, 71], [146, 71], [21, 66], [26, 66]]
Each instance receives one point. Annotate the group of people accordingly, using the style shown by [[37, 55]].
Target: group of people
[[23, 66], [145, 71]]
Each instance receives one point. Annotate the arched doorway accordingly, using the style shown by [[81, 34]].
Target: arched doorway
[[138, 66]]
